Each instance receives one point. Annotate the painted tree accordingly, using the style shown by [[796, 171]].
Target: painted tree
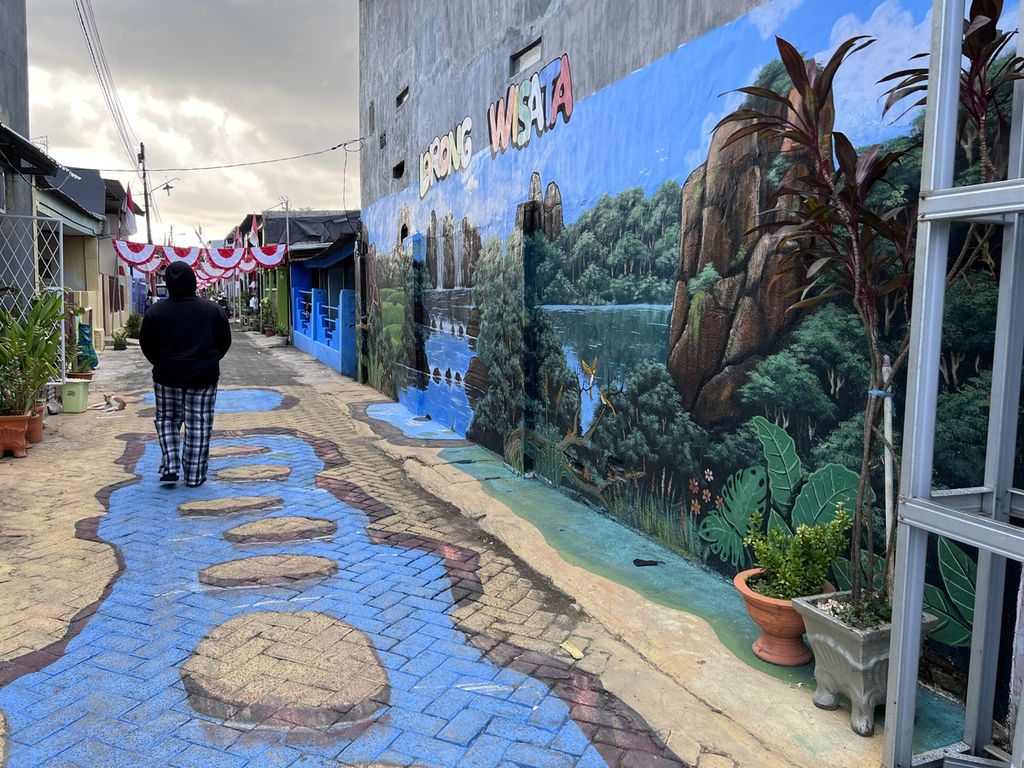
[[838, 244]]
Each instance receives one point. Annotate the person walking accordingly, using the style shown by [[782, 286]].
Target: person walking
[[184, 338]]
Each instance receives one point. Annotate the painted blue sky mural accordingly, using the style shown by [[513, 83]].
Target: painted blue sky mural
[[656, 123]]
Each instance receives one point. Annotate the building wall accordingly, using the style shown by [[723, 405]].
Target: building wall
[[14, 90], [580, 287]]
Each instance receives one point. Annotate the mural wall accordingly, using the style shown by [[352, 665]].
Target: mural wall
[[574, 284]]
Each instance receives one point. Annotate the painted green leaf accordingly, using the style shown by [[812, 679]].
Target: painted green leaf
[[743, 494], [841, 573], [817, 500], [844, 574], [783, 463], [775, 521], [959, 574], [951, 629]]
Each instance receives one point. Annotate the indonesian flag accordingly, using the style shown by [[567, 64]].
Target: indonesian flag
[[254, 233], [126, 216], [236, 239]]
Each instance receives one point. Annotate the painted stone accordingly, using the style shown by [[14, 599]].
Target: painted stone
[[286, 669], [281, 529], [235, 451], [268, 570], [254, 473], [228, 505]]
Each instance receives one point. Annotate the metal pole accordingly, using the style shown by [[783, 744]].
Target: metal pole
[[922, 381], [145, 190], [887, 428]]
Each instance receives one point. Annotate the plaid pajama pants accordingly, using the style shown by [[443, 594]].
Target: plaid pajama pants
[[193, 407]]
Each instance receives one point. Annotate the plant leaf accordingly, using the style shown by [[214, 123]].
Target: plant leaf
[[743, 494], [775, 522], [817, 500], [959, 574], [951, 629], [784, 468]]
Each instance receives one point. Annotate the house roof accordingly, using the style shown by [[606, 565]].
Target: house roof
[[22, 155]]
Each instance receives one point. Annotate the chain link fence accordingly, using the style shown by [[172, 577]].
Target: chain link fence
[[31, 264]]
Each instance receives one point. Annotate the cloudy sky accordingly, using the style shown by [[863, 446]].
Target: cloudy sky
[[206, 83]]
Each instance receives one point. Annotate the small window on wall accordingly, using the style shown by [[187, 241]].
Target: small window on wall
[[525, 59], [383, 140], [398, 171], [369, 116], [403, 97]]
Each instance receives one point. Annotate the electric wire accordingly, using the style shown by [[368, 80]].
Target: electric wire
[[246, 164]]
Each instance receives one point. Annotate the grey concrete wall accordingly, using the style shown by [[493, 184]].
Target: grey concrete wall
[[14, 90], [454, 56]]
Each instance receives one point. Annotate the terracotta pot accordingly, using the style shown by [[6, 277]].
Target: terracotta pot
[[782, 628], [269, 332], [86, 375], [34, 430], [12, 435]]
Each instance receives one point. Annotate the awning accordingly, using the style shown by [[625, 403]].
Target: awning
[[332, 258], [23, 155]]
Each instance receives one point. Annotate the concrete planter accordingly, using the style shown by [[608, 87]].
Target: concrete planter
[[782, 628], [849, 661]]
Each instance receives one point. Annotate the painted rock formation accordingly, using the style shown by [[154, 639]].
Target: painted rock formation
[[729, 320]]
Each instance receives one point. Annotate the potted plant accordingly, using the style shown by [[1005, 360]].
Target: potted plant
[[120, 338], [29, 347], [133, 325], [845, 233], [282, 330], [269, 316], [789, 565]]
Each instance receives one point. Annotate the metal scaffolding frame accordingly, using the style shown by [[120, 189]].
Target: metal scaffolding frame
[[980, 516]]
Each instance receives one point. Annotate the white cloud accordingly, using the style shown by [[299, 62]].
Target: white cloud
[[769, 17], [858, 96]]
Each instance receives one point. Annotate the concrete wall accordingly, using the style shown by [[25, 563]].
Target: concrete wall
[[452, 54], [14, 90]]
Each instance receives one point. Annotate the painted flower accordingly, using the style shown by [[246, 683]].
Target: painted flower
[[706, 495], [694, 486], [695, 507], [709, 475], [719, 501]]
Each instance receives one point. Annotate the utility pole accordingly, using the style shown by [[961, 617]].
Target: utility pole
[[145, 190]]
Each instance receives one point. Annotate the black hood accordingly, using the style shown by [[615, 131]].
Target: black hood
[[180, 280]]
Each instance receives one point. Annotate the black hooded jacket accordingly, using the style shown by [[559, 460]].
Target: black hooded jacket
[[184, 336]]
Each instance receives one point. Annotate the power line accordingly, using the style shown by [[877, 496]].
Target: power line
[[240, 165]]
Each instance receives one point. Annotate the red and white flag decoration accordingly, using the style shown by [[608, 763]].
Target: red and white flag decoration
[[135, 253], [209, 263], [226, 258], [270, 255], [126, 216], [189, 255]]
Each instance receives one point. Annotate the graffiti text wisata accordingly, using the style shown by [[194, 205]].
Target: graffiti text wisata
[[533, 104]]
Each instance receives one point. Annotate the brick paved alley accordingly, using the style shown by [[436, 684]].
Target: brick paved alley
[[337, 594]]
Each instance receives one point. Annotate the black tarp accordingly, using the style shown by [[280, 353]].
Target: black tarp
[[322, 228]]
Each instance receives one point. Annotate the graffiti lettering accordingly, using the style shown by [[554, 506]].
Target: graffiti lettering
[[446, 155], [532, 105]]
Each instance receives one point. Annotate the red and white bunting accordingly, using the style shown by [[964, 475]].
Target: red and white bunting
[[269, 255], [134, 253], [150, 266], [226, 258], [248, 263], [189, 255]]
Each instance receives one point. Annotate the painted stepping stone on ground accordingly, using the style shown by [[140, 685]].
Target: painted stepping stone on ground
[[228, 505], [254, 473], [234, 451], [267, 570], [286, 669], [281, 529]]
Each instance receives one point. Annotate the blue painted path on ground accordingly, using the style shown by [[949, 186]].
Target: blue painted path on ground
[[238, 400], [116, 697], [411, 425]]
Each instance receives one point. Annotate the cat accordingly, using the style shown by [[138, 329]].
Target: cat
[[111, 403]]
